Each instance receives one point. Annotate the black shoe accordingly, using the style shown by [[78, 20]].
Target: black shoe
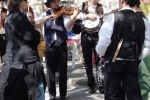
[[63, 98], [92, 90], [52, 98]]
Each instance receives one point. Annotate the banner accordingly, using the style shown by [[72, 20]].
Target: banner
[[144, 67]]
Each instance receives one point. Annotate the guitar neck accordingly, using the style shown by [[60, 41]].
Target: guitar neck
[[101, 16]]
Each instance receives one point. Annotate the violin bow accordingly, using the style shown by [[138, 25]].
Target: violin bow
[[28, 7]]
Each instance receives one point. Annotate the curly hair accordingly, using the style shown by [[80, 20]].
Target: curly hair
[[14, 5]]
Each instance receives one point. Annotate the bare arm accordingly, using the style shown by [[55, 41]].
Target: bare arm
[[72, 19], [43, 18]]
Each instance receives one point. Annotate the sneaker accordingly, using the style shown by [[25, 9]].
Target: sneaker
[[92, 90], [52, 98]]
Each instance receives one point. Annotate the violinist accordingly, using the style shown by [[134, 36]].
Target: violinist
[[55, 36], [3, 12]]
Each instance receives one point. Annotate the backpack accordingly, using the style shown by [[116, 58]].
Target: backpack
[[18, 84]]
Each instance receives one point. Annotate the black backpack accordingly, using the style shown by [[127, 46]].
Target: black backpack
[[18, 84]]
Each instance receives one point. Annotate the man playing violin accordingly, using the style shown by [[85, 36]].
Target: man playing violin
[[55, 36], [89, 39]]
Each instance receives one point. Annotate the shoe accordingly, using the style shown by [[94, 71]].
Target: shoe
[[63, 98], [92, 90], [52, 98]]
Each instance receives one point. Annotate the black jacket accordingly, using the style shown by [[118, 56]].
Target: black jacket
[[22, 40]]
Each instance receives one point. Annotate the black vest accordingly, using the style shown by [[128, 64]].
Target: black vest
[[131, 28], [51, 29]]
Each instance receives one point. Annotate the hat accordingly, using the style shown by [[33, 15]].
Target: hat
[[47, 1], [44, 1]]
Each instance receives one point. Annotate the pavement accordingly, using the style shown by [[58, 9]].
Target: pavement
[[77, 75]]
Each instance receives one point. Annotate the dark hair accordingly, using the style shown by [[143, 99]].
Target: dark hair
[[138, 4], [131, 3], [14, 5], [47, 4]]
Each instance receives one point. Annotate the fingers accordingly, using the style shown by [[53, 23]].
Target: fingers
[[103, 59], [92, 17], [53, 17]]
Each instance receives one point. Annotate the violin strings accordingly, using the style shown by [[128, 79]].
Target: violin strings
[[66, 7]]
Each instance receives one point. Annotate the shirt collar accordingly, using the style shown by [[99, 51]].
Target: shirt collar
[[125, 8], [89, 4]]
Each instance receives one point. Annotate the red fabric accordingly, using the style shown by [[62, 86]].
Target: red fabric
[[93, 58], [70, 41]]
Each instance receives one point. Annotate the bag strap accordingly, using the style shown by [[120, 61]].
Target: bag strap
[[9, 23], [117, 50], [14, 28], [85, 7]]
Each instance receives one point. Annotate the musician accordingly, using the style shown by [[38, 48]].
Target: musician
[[89, 39], [123, 67], [3, 12], [55, 36]]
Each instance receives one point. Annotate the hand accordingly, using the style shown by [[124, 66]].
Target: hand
[[30, 17], [52, 17], [76, 11], [113, 11], [91, 16], [1, 4], [102, 59]]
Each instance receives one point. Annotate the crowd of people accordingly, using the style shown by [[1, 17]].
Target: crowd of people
[[117, 41]]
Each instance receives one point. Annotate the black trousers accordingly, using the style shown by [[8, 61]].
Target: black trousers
[[56, 56], [125, 72], [89, 42], [2, 45]]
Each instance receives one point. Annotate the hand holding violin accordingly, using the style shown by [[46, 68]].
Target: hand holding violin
[[52, 17], [76, 11]]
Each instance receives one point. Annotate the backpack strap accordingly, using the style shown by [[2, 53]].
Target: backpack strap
[[85, 8]]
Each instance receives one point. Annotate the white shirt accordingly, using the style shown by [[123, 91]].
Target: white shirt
[[106, 32], [91, 9], [65, 17]]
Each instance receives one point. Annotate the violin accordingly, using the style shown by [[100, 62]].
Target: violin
[[64, 11]]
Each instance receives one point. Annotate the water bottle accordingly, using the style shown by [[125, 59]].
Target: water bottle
[[148, 96], [70, 34]]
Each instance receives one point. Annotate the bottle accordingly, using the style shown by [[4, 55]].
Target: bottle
[[148, 96]]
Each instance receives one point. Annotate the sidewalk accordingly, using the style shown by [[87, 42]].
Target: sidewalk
[[76, 76]]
